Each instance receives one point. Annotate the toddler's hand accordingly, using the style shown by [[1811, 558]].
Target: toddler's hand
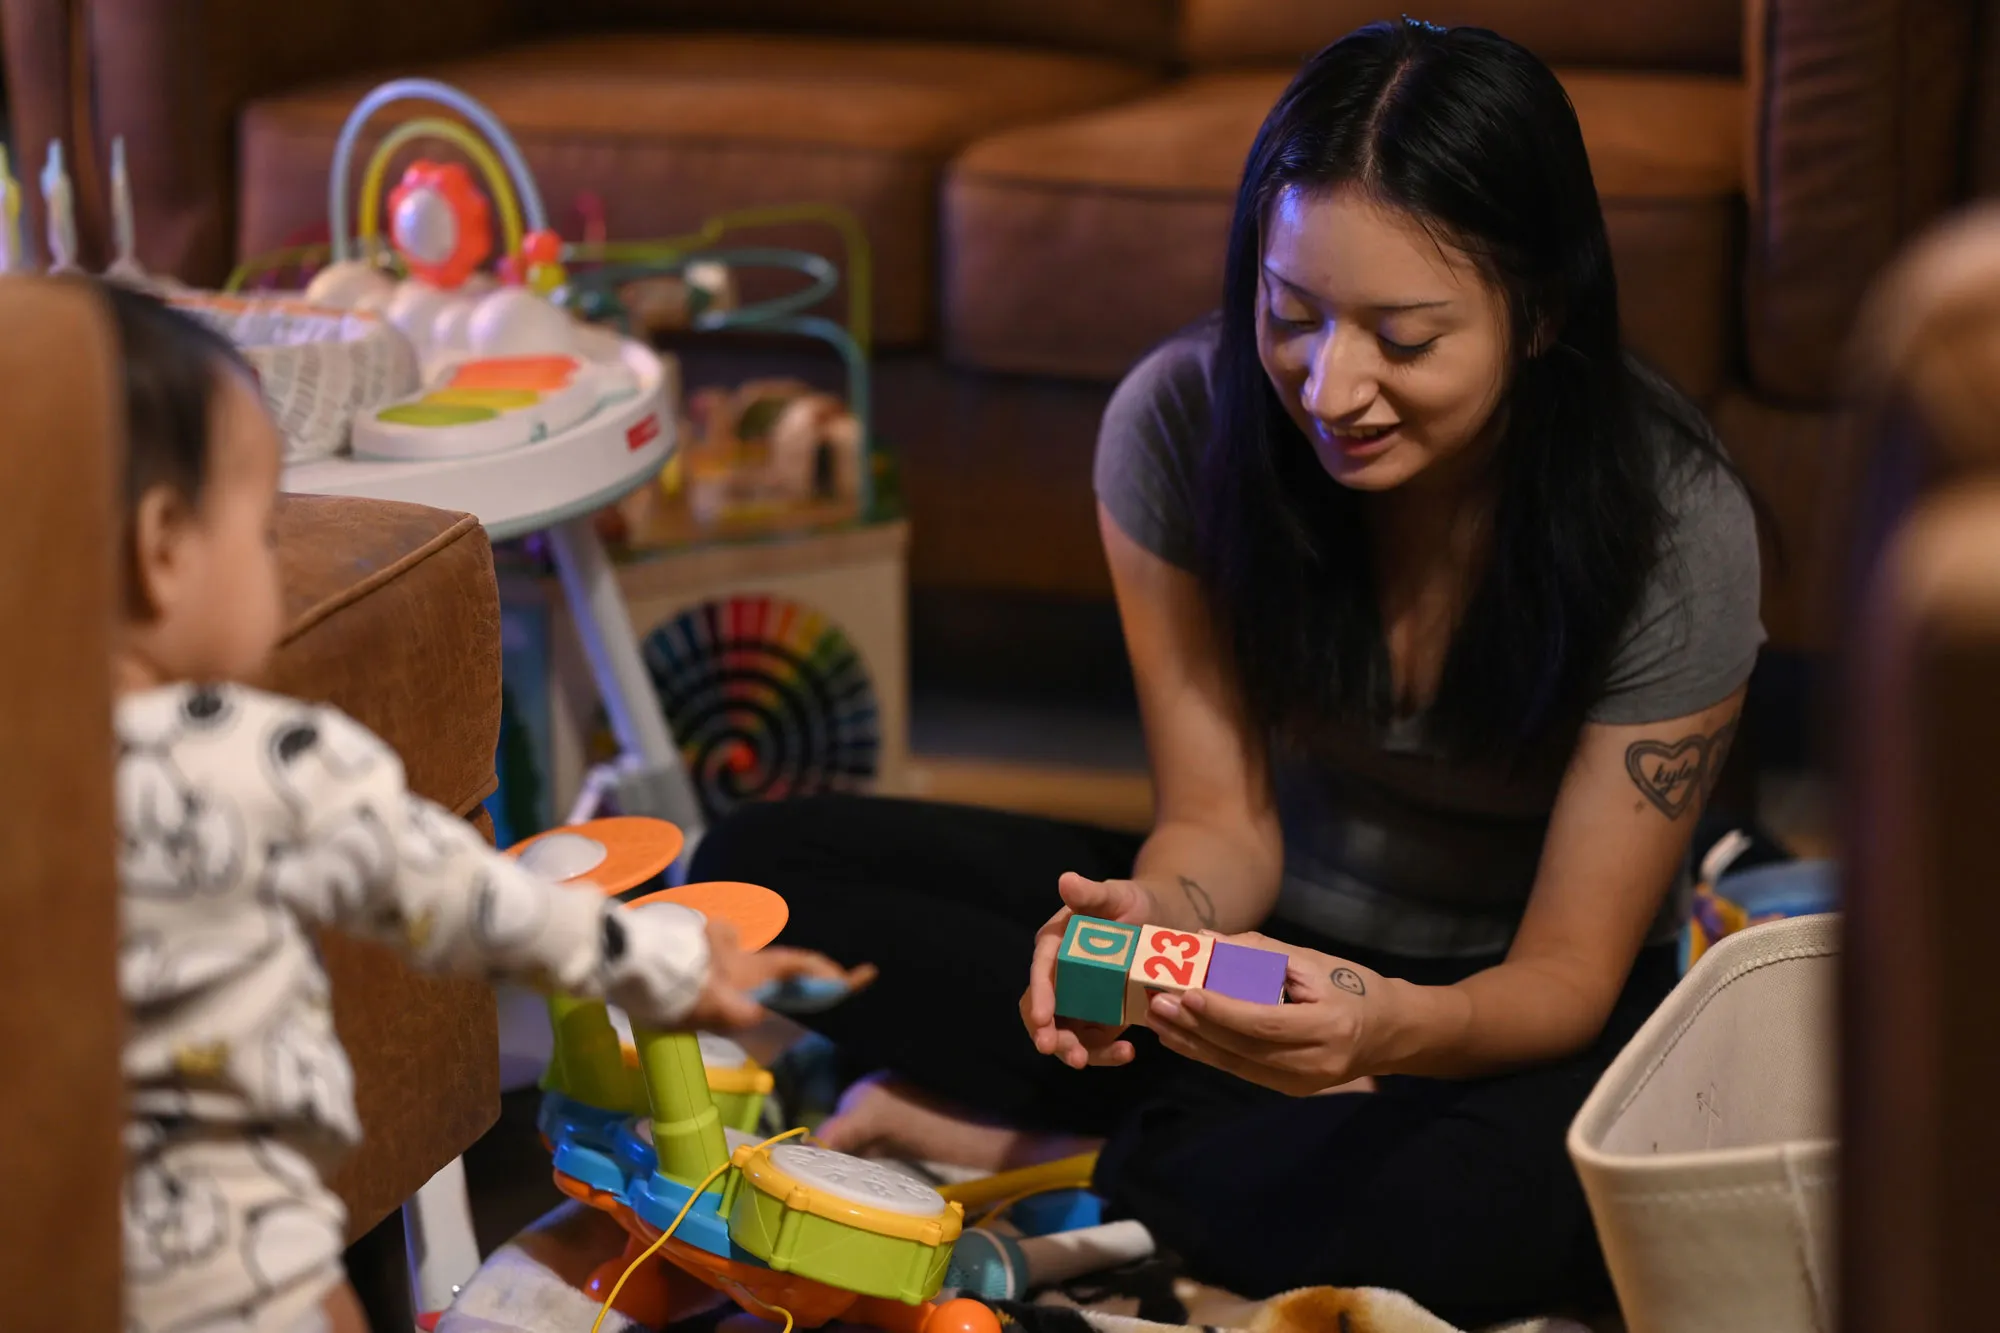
[[725, 1003]]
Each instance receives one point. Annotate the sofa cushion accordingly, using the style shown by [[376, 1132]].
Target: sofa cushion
[[393, 615], [1134, 29], [670, 128], [1073, 246], [1695, 35]]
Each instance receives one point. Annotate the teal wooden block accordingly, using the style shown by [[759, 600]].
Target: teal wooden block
[[1091, 969]]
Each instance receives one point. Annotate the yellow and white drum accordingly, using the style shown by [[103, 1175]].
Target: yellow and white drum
[[842, 1220]]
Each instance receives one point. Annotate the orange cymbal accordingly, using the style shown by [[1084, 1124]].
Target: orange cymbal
[[757, 913], [613, 854]]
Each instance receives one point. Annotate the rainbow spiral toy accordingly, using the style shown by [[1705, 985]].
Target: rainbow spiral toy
[[767, 698]]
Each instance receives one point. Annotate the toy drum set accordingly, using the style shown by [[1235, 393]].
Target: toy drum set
[[660, 1136]]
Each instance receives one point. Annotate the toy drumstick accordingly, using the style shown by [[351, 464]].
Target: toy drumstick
[[1068, 1173]]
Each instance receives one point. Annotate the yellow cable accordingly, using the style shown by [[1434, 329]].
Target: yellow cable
[[679, 1218], [744, 1293], [467, 142]]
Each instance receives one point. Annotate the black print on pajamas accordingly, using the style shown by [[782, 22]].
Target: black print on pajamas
[[155, 965], [337, 876], [429, 837], [175, 840], [307, 755], [508, 909], [286, 1241], [208, 709], [307, 1074], [171, 1220]]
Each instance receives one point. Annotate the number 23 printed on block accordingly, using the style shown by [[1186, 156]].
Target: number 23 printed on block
[[1166, 960]]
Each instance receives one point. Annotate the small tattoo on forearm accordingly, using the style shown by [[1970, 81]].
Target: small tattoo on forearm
[[1199, 902], [1349, 980], [1676, 777]]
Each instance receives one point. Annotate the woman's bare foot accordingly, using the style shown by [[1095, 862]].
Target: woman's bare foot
[[885, 1117]]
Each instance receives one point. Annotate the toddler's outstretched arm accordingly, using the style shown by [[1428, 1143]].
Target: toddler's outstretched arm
[[376, 861]]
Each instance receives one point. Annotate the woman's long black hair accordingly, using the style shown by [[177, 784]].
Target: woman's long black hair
[[1475, 138]]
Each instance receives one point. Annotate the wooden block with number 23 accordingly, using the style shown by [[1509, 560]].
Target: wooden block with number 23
[[1167, 960]]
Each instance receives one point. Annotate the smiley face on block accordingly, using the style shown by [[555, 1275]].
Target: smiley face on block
[[1166, 960], [1091, 969]]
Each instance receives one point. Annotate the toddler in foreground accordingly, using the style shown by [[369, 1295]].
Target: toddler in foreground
[[246, 819]]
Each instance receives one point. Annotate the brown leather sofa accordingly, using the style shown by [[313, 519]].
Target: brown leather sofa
[[393, 616], [1047, 182], [1920, 728]]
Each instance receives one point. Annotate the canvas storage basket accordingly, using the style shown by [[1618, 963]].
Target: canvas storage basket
[[317, 367], [1707, 1150]]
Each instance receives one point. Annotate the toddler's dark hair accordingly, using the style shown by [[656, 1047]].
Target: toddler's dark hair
[[172, 364]]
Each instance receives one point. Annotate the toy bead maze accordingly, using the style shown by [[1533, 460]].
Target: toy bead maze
[[659, 1138], [529, 396], [767, 699]]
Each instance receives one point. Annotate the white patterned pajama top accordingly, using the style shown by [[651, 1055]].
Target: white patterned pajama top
[[245, 820]]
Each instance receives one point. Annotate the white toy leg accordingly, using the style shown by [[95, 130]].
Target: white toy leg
[[438, 1236], [652, 782]]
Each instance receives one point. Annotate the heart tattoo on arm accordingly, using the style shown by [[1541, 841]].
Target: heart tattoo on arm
[[1676, 776]]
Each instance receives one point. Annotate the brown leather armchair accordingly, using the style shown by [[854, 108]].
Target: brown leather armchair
[[1047, 183], [1921, 1166], [393, 616]]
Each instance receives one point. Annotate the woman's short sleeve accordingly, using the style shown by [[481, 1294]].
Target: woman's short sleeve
[[1149, 446], [1697, 632]]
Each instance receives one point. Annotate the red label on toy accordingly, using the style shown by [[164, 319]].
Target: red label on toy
[[643, 432]]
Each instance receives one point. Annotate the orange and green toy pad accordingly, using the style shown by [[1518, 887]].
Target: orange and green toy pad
[[432, 414], [534, 373], [635, 850], [499, 400], [757, 914], [1092, 969]]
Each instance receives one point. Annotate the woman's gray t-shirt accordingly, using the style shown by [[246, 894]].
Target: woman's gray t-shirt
[[1388, 845]]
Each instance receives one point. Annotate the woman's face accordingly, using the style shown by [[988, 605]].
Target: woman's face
[[1388, 348]]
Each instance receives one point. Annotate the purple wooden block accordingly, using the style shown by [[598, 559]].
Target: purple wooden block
[[1256, 975]]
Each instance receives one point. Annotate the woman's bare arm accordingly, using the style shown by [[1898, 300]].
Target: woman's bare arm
[[1616, 841], [1215, 856]]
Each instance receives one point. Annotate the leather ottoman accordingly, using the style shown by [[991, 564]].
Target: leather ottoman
[[393, 616]]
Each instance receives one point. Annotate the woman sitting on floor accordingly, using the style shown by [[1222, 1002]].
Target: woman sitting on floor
[[1440, 609]]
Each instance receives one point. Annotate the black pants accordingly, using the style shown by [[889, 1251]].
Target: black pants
[[1459, 1193]]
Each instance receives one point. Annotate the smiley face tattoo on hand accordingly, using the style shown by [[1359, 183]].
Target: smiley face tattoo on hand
[[1349, 980]]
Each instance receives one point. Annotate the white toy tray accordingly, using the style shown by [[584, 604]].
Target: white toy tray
[[536, 486]]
